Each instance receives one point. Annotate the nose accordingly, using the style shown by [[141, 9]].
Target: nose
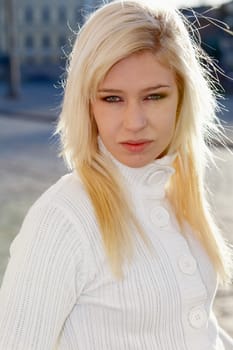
[[134, 117]]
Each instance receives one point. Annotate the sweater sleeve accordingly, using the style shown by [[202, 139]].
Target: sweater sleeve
[[42, 282], [226, 339]]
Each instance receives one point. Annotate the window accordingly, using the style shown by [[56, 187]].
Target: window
[[62, 41], [46, 42], [29, 15], [45, 14], [62, 14], [29, 42]]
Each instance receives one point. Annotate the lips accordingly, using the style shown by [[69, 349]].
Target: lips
[[135, 142], [136, 145]]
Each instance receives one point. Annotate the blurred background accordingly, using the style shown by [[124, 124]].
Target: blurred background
[[36, 36]]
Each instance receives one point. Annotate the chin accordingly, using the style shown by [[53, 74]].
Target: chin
[[136, 163]]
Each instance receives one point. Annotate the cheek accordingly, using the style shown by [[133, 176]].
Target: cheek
[[107, 116], [172, 115], [165, 119], [104, 121], [98, 115]]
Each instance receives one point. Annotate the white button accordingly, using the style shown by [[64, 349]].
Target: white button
[[160, 216], [159, 177], [198, 317], [187, 264]]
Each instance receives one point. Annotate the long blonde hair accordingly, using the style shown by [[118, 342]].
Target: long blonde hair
[[113, 32]]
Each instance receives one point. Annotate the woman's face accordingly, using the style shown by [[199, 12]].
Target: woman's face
[[135, 109]]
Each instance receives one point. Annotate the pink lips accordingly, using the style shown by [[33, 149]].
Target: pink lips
[[136, 145]]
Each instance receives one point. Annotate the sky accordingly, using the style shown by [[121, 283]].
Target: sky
[[190, 3]]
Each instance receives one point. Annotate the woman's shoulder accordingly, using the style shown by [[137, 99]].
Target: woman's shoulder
[[67, 194], [69, 186], [57, 216], [61, 208]]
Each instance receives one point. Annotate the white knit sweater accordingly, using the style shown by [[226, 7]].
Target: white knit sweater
[[58, 291]]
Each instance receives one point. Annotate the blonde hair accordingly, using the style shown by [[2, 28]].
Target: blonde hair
[[113, 32]]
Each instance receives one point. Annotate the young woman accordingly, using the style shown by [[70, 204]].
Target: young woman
[[122, 253]]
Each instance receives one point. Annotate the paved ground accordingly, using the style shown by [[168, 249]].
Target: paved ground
[[29, 165]]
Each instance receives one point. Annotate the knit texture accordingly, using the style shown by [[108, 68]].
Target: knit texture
[[58, 291]]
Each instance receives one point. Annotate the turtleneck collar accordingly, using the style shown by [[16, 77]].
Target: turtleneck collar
[[149, 179]]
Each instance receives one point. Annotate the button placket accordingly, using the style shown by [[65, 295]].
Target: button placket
[[158, 178], [198, 317], [187, 264], [160, 216]]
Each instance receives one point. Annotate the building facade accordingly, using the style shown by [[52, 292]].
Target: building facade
[[45, 30], [215, 27]]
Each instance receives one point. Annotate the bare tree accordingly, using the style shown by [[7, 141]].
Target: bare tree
[[14, 62]]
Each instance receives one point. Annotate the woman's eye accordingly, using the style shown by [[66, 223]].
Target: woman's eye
[[112, 99], [155, 97]]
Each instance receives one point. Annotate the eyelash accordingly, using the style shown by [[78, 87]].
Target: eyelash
[[112, 99], [116, 99], [155, 97]]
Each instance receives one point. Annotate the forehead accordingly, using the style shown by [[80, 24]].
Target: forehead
[[139, 70]]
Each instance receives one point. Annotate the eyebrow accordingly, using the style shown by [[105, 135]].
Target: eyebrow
[[157, 87]]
